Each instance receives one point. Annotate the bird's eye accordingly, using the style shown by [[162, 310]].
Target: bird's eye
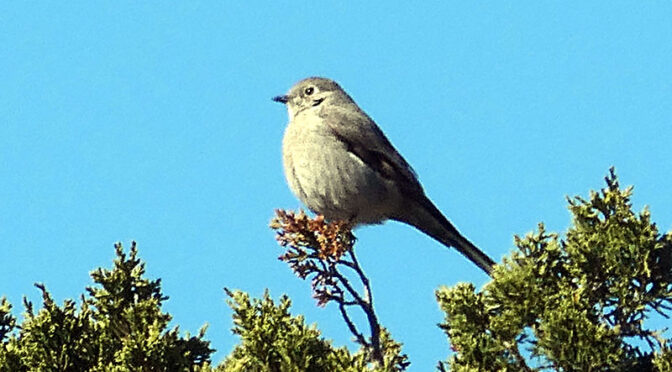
[[309, 91]]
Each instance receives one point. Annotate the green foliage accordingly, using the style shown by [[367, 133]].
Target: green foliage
[[118, 327], [578, 304], [274, 340], [9, 360], [7, 321]]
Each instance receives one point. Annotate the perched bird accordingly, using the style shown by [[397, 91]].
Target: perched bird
[[340, 164]]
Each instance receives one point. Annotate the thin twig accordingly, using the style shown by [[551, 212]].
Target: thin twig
[[519, 358], [370, 313], [366, 305], [351, 325], [346, 284]]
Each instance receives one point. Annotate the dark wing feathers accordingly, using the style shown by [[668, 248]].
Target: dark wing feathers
[[364, 139]]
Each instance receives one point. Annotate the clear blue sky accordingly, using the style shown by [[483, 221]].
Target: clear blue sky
[[124, 121]]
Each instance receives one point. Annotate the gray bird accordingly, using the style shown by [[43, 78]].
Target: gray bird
[[340, 164]]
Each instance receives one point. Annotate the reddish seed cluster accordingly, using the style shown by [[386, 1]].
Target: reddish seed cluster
[[302, 234], [313, 248]]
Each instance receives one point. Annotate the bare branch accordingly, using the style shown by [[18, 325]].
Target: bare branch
[[317, 249]]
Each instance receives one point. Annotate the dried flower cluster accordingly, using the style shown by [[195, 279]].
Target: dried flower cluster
[[305, 236], [320, 249]]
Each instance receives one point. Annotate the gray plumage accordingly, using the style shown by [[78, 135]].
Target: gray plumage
[[340, 164]]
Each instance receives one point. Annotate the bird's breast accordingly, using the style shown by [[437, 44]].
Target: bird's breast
[[329, 179]]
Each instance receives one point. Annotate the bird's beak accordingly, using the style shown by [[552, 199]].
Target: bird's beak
[[281, 99]]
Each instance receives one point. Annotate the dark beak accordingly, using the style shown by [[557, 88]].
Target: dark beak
[[281, 99]]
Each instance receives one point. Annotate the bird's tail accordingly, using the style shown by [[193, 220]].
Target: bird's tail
[[427, 218]]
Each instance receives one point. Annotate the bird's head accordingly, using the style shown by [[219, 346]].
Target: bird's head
[[311, 93]]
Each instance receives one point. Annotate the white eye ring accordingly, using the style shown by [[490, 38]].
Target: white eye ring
[[309, 91]]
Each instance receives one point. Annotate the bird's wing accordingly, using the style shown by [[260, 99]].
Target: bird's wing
[[363, 138]]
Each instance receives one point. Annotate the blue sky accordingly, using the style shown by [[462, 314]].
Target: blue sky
[[124, 121]]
